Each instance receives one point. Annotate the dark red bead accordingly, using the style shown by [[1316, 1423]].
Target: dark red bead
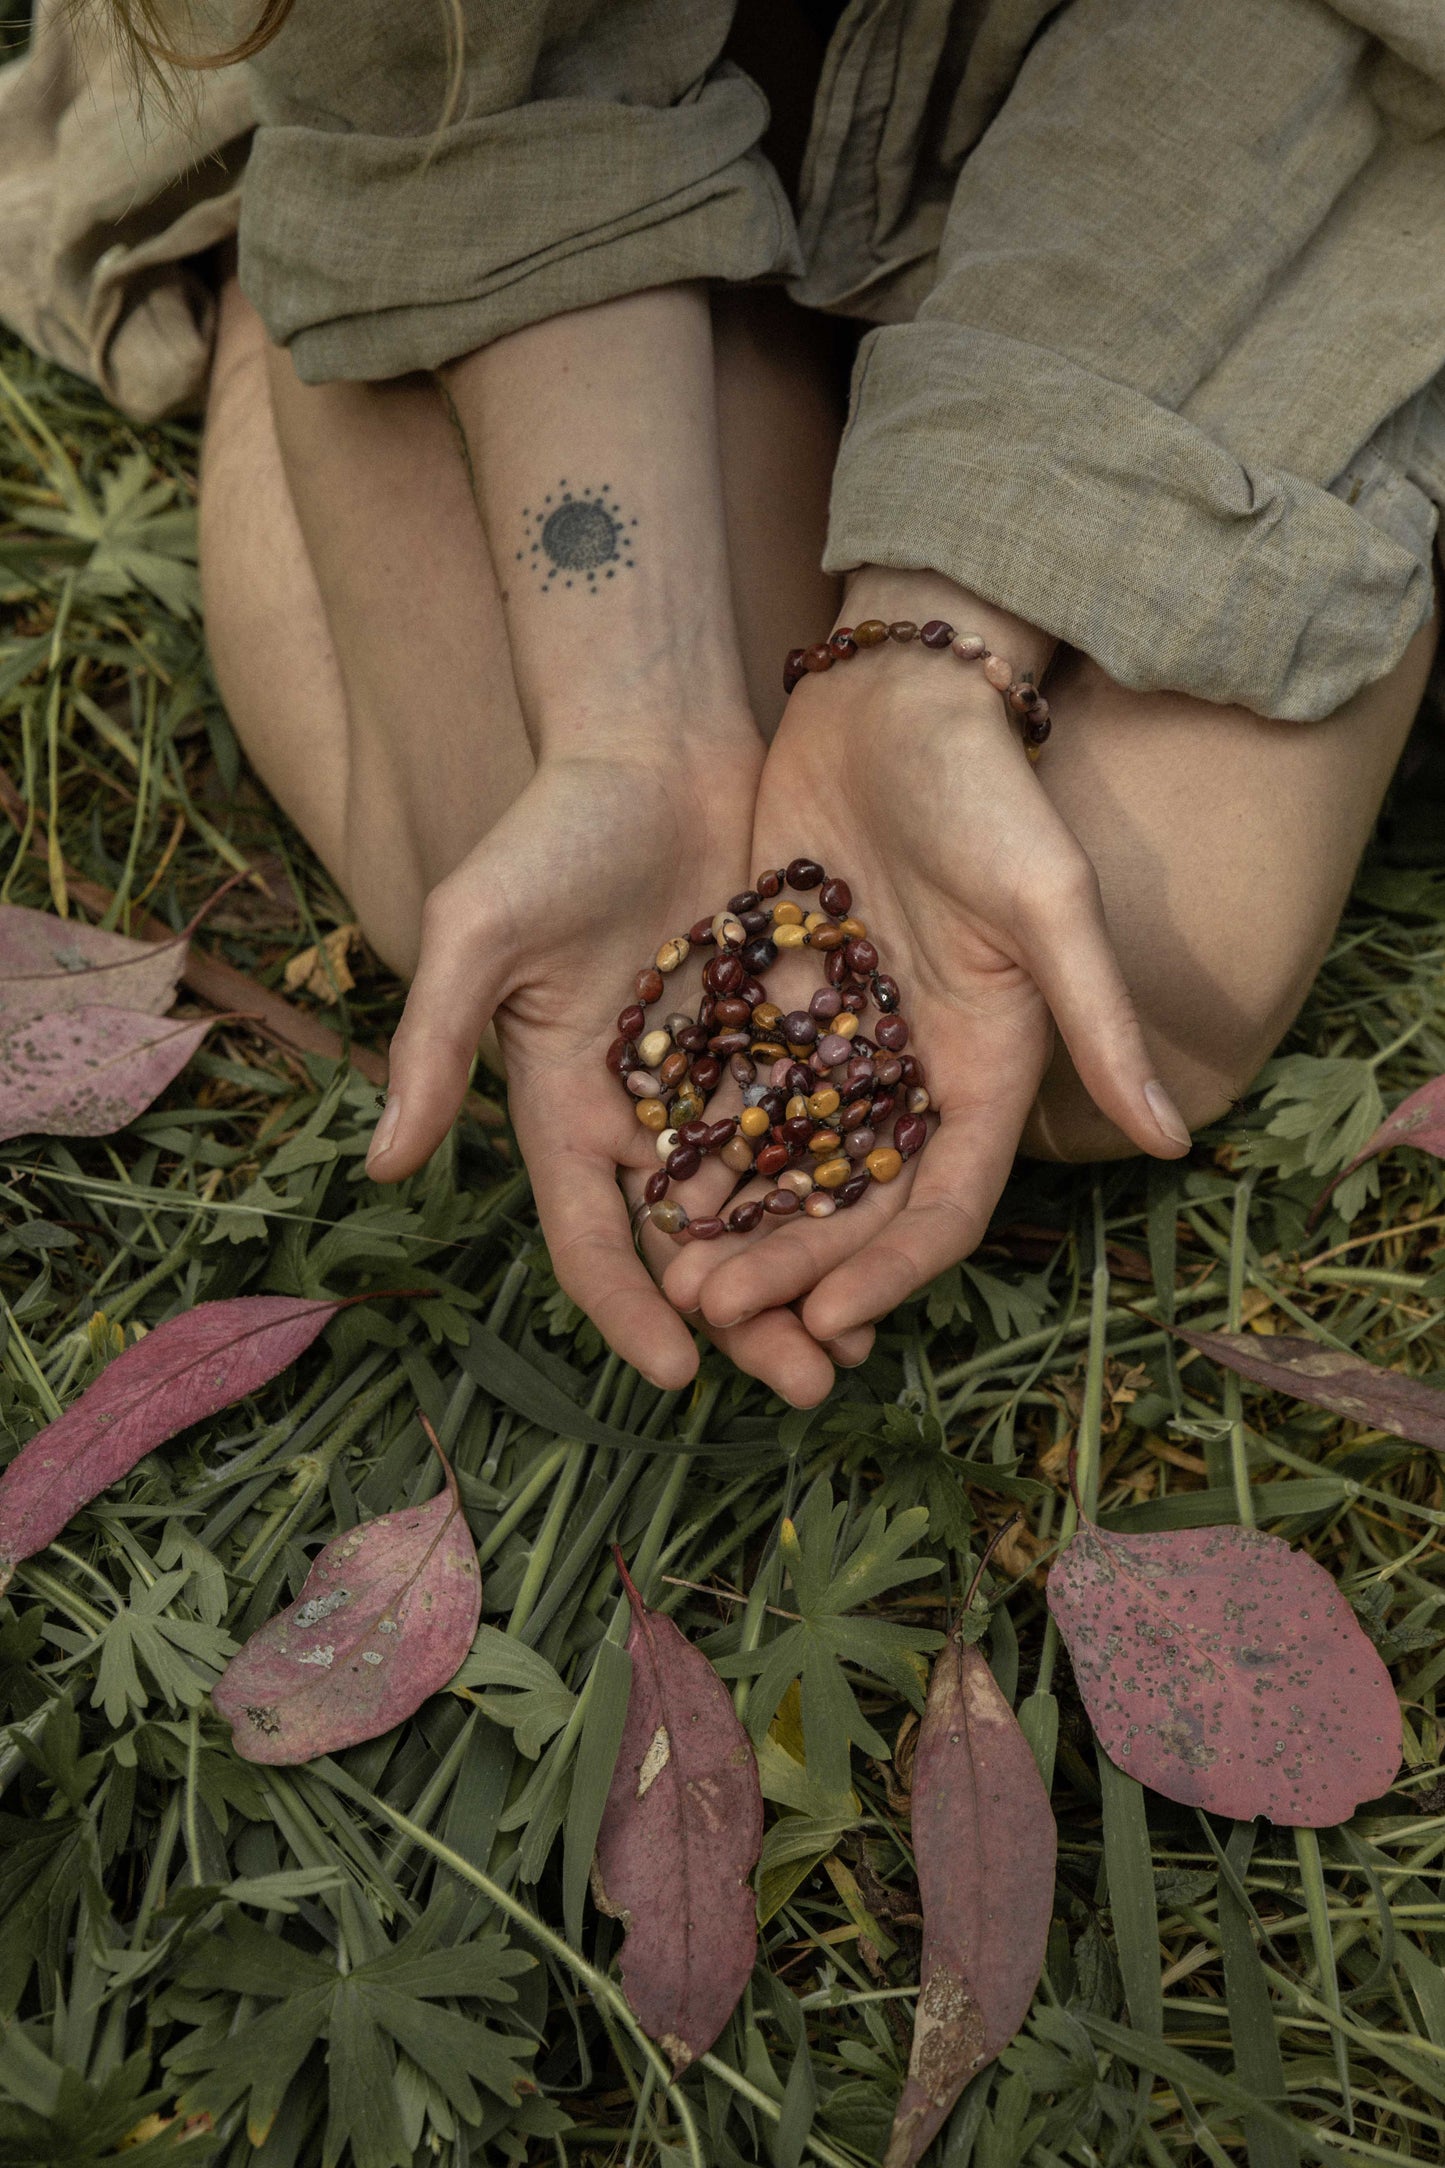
[[721, 1132], [754, 922], [615, 1053], [799, 1028], [818, 658], [770, 884], [692, 1038], [856, 1186], [799, 1078], [781, 1203], [732, 1009], [862, 958], [772, 1159], [855, 1001], [706, 1071], [793, 668], [723, 974], [853, 1115], [843, 643], [693, 1132], [723, 1045], [656, 1188], [888, 1071], [892, 1032], [910, 1134], [804, 873], [648, 985], [631, 1060], [742, 1071], [935, 633], [745, 900], [631, 1021], [910, 1070], [683, 1161], [835, 966], [752, 992], [706, 1230], [759, 955], [826, 937], [836, 898], [880, 1107], [799, 1130], [885, 991], [743, 1218], [1037, 730], [773, 1102], [701, 935]]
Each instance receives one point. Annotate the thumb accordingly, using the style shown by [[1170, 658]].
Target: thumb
[[1071, 959], [461, 975]]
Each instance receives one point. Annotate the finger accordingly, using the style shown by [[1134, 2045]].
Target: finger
[[795, 1255], [460, 978], [852, 1348], [1071, 958], [589, 1238], [958, 1180], [775, 1348]]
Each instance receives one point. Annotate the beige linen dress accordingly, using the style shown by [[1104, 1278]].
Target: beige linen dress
[[1157, 290]]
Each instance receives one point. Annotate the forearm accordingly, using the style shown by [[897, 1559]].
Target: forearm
[[593, 440]]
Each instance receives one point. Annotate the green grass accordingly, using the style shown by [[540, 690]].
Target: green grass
[[1213, 1993]]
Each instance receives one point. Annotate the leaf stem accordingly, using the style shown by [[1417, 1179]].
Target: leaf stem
[[1233, 1401]]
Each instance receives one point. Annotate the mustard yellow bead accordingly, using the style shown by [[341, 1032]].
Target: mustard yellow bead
[[845, 1025], [815, 919], [826, 1141], [789, 936], [884, 1164], [652, 1113], [796, 1108], [833, 1173], [753, 1122], [767, 1016], [854, 928], [822, 1104], [767, 1050], [786, 914]]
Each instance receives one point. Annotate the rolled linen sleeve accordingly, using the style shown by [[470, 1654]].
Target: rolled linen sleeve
[[1090, 422], [402, 207]]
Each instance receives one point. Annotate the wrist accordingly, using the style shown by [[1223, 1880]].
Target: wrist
[[889, 593]]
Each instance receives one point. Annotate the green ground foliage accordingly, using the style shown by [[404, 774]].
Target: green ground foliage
[[333, 1963]]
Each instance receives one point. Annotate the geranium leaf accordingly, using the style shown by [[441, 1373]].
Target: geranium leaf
[[1419, 1119]]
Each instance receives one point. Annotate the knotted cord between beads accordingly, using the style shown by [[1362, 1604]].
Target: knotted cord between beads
[[815, 1124], [1020, 694]]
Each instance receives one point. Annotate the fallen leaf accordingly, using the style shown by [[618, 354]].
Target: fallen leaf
[[384, 1621], [1226, 1670], [1329, 1377], [1418, 1120], [87, 1072], [49, 966], [984, 1842], [680, 1835], [185, 1369], [322, 970]]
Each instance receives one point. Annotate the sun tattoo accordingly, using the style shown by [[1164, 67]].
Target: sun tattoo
[[577, 538]]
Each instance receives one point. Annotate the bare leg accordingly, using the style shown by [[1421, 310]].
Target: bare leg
[[1225, 847]]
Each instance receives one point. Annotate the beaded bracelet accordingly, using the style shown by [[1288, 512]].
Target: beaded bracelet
[[1021, 694]]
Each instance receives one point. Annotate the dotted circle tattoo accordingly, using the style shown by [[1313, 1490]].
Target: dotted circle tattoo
[[577, 538]]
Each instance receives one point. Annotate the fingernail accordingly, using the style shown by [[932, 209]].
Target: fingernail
[[846, 1362], [727, 1324], [384, 1131], [1165, 1113]]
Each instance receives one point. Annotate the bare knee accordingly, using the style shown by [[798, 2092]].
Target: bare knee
[[1203, 1081]]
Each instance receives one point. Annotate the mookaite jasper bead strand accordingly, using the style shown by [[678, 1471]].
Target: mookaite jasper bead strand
[[1021, 696], [817, 1090]]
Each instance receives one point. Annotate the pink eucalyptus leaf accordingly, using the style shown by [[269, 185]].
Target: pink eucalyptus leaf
[[87, 1072], [1226, 1670], [385, 1620], [680, 1836], [1418, 1120], [1329, 1377], [184, 1370], [51, 965], [985, 1844]]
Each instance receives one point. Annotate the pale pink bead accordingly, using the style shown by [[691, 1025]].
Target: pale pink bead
[[833, 1050], [643, 1085], [998, 672], [797, 1180], [819, 1205], [969, 646], [781, 1070]]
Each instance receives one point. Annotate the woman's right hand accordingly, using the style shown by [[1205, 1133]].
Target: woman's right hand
[[543, 929]]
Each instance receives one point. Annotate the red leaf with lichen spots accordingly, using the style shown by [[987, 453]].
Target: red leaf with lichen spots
[[1226, 1670], [87, 1072], [680, 1836], [386, 1617], [1329, 1377], [187, 1368], [984, 1842], [49, 966], [1418, 1120]]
